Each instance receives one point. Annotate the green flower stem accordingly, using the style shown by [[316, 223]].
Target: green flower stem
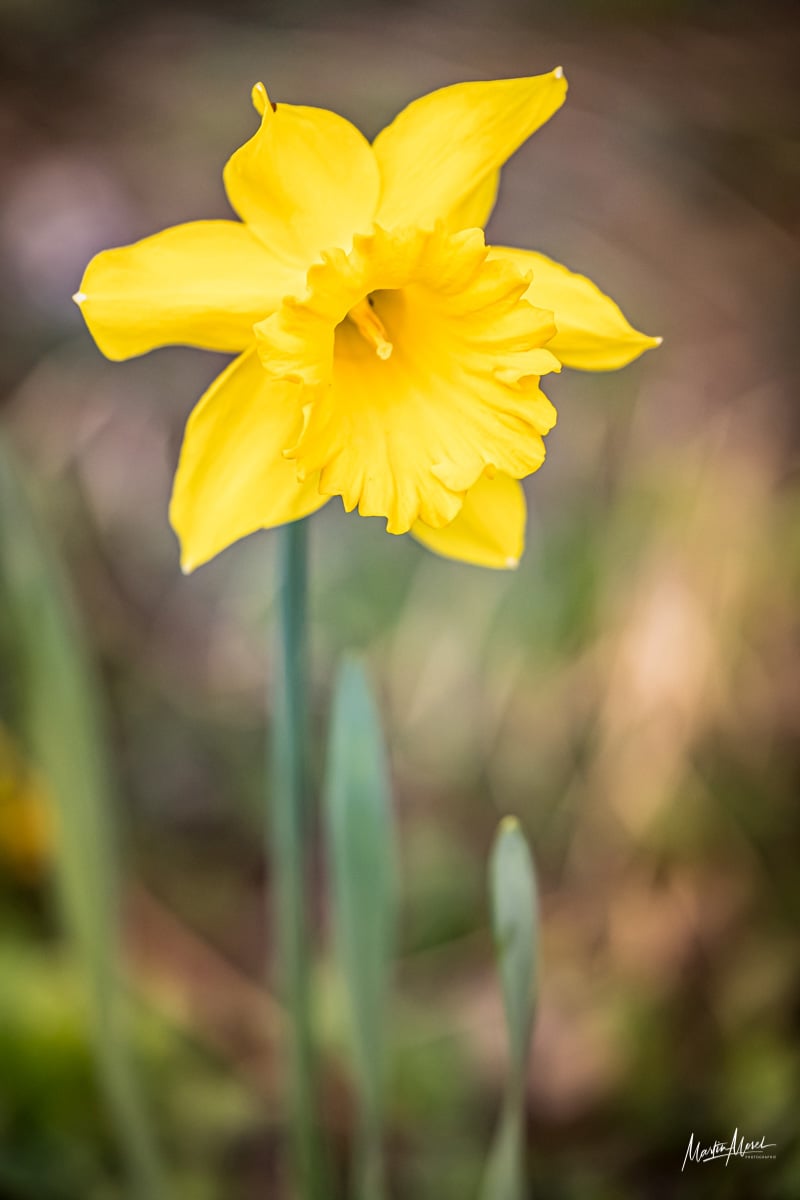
[[287, 842]]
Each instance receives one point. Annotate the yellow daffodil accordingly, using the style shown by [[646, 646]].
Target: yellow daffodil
[[386, 354]]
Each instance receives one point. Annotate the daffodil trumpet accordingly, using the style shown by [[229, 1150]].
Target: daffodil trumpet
[[385, 353]]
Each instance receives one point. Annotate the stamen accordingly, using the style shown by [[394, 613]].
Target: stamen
[[371, 328]]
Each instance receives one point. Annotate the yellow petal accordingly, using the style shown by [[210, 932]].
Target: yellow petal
[[232, 477], [592, 333], [474, 211], [201, 284], [306, 181], [400, 424], [490, 529], [442, 147]]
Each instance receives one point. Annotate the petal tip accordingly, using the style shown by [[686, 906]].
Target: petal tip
[[658, 341], [558, 73], [260, 98], [187, 563], [511, 563], [79, 297]]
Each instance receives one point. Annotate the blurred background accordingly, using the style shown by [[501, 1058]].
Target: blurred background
[[631, 692]]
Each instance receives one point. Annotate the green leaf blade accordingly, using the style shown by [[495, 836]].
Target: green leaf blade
[[361, 854]]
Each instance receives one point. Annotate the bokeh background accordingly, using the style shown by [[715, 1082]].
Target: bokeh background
[[631, 692]]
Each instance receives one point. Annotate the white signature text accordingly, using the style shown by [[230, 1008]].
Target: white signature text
[[737, 1147]]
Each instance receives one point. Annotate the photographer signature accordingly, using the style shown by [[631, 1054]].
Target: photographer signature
[[737, 1147]]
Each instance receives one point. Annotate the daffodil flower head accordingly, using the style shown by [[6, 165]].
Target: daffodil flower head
[[385, 353]]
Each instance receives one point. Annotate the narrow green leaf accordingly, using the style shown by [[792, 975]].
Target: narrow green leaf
[[59, 710], [361, 856], [504, 1178], [515, 926]]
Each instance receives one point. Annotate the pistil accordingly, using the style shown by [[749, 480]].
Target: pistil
[[371, 328]]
